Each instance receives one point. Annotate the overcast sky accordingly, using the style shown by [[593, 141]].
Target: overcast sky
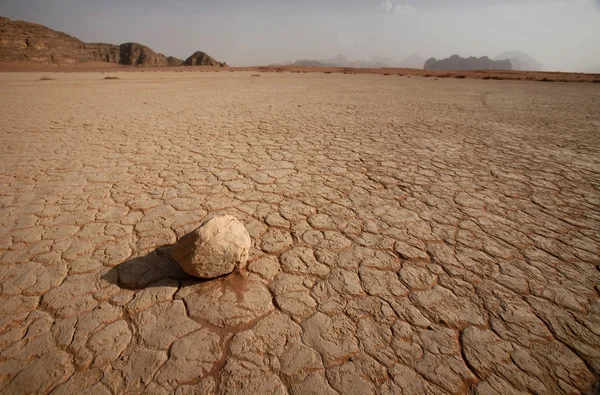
[[561, 34]]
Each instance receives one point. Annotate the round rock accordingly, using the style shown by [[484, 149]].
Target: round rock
[[218, 247]]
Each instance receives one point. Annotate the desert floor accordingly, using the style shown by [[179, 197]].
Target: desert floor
[[410, 235]]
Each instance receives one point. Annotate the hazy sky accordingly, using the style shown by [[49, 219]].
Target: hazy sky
[[561, 34]]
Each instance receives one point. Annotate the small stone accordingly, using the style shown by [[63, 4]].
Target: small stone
[[218, 247]]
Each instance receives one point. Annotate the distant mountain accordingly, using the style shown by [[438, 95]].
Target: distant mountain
[[200, 58], [520, 61], [22, 41], [173, 61], [412, 62], [455, 62], [308, 62], [338, 61], [382, 61]]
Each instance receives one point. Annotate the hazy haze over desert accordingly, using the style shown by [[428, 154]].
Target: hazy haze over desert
[[562, 34]]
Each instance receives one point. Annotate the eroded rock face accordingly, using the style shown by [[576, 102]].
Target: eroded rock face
[[217, 247], [140, 55], [200, 58], [456, 62], [24, 41]]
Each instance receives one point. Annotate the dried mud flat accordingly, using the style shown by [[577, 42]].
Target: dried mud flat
[[409, 235]]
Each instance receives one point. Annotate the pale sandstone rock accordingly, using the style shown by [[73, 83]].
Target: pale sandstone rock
[[218, 247]]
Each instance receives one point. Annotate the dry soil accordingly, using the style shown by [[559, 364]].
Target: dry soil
[[410, 235]]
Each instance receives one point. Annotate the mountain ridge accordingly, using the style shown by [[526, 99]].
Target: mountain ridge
[[23, 41]]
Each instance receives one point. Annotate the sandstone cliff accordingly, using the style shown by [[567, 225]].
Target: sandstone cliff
[[456, 62], [22, 41]]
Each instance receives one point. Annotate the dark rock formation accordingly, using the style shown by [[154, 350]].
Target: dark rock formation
[[135, 54], [455, 62], [414, 61], [22, 41], [174, 61], [200, 58]]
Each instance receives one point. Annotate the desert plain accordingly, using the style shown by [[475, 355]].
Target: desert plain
[[410, 235]]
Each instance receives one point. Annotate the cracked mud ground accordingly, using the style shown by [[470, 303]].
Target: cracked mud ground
[[409, 235]]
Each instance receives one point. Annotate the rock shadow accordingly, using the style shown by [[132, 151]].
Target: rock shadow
[[145, 271]]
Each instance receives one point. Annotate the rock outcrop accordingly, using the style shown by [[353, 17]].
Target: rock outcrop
[[308, 62], [200, 58], [173, 61], [455, 62], [22, 41], [135, 54], [520, 61], [218, 247], [414, 61], [25, 41]]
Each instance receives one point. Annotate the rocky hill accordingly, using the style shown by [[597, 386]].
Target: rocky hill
[[22, 41], [456, 62], [520, 61], [414, 62], [308, 62], [200, 58]]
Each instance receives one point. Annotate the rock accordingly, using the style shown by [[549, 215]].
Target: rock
[[29, 42], [173, 61], [218, 247], [200, 58], [140, 55], [456, 62]]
